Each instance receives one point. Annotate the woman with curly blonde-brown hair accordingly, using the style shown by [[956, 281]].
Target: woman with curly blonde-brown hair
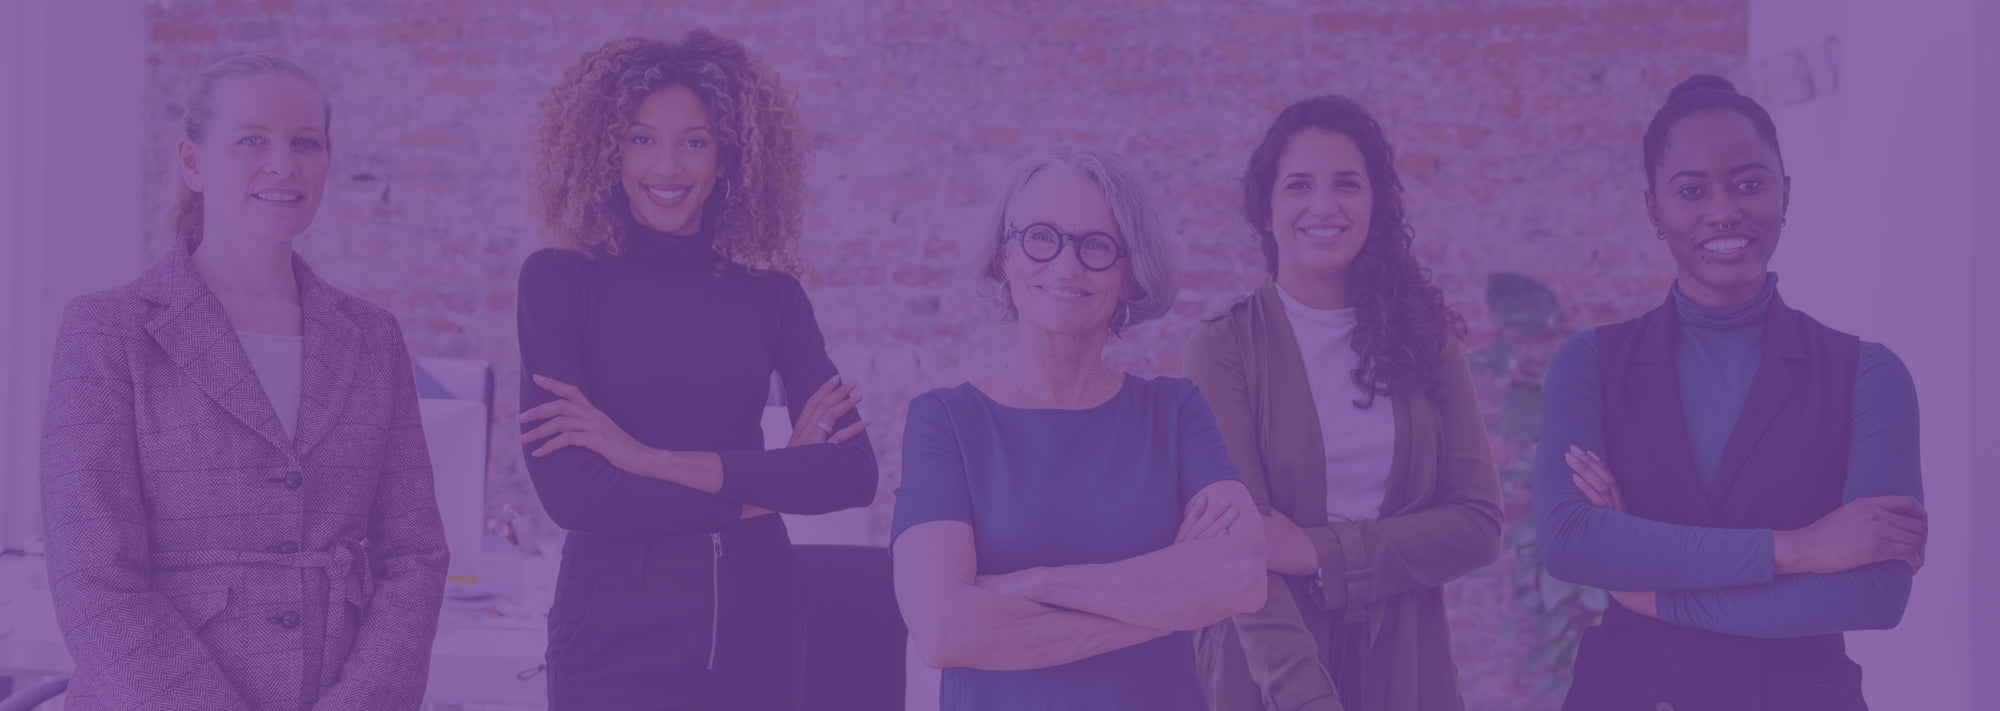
[[671, 180]]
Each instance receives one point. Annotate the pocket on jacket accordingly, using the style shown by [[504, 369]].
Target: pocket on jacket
[[340, 647], [202, 606]]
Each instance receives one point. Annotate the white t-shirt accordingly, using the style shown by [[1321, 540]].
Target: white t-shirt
[[1360, 444], [280, 365]]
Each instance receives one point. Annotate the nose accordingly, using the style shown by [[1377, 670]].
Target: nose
[[1321, 203], [1724, 212], [1069, 261], [671, 163], [281, 163]]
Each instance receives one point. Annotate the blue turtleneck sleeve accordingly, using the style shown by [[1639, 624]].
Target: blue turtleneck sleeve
[[1714, 578]]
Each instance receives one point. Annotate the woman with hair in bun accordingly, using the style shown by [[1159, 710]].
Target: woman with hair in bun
[[672, 181], [235, 488], [1344, 394], [1744, 479]]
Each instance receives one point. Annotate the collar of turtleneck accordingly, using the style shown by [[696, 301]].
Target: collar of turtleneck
[[1748, 313], [645, 244]]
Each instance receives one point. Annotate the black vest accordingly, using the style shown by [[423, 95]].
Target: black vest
[[1783, 467]]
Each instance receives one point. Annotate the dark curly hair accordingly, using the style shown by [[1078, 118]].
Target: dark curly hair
[[1402, 322], [756, 211]]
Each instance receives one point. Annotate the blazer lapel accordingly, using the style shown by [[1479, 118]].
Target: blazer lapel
[[195, 333], [1655, 379], [1769, 388], [332, 354]]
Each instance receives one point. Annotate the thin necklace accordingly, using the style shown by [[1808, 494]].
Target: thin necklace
[[1027, 401]]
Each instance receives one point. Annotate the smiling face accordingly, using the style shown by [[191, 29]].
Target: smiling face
[[667, 162], [261, 167], [1320, 205], [1719, 199], [1061, 296]]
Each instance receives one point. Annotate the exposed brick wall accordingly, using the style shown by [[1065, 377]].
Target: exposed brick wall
[[1517, 124]]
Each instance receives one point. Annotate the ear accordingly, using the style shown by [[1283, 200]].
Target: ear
[[1652, 210], [1787, 205], [190, 173]]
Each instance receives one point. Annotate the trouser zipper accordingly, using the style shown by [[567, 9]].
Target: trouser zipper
[[714, 598]]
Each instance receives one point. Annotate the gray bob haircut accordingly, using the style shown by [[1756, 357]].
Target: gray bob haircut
[[1153, 266]]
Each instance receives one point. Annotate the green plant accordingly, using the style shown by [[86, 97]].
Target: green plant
[[1528, 314]]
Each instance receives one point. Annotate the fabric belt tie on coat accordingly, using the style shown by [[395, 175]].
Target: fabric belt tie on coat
[[345, 562]]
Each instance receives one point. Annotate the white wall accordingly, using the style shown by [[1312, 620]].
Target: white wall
[[1880, 245], [1985, 267], [71, 74]]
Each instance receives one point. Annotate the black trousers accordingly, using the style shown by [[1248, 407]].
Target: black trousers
[[669, 622]]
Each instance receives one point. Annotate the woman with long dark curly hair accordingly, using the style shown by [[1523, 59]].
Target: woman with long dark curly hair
[[1345, 398], [671, 178]]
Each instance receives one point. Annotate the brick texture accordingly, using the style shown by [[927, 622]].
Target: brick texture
[[1517, 124]]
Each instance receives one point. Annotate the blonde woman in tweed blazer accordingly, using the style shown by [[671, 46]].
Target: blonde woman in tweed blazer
[[207, 549]]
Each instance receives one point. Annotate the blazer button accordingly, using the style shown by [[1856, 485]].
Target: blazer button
[[289, 620], [289, 547], [1663, 706], [294, 480]]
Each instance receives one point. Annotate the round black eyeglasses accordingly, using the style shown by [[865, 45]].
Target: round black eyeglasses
[[1043, 243]]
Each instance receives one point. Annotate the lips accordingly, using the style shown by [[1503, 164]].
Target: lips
[[667, 196], [1726, 246], [279, 197], [1065, 292], [1324, 234]]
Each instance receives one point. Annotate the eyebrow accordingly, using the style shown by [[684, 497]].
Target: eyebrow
[[1353, 173], [262, 127], [1753, 165], [650, 127]]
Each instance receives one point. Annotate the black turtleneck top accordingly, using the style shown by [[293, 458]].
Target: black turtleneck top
[[677, 346]]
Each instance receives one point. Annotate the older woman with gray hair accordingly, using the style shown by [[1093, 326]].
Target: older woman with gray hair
[[1061, 525]]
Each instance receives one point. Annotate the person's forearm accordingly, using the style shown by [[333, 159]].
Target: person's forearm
[[759, 478], [1367, 560], [582, 491], [807, 479], [700, 471], [984, 630], [1287, 549], [1606, 549], [1583, 544], [1185, 586], [1871, 597]]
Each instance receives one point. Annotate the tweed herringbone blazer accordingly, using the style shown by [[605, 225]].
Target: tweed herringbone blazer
[[201, 559]]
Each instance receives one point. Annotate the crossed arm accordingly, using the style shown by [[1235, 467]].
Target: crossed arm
[[1043, 617], [1850, 570]]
